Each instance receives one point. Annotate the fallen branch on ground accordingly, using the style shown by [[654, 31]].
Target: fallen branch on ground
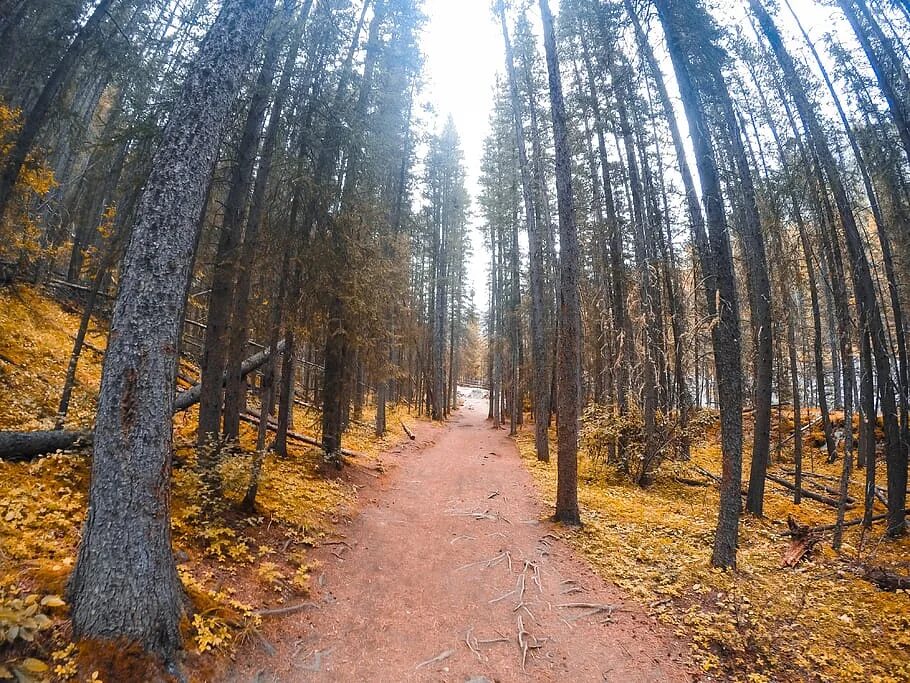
[[442, 656], [804, 540], [591, 607], [252, 417], [407, 431], [811, 495], [833, 502], [852, 522], [280, 611], [491, 562], [525, 644], [24, 446], [887, 580]]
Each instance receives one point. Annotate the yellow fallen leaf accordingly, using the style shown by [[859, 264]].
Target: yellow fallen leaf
[[52, 601], [33, 666]]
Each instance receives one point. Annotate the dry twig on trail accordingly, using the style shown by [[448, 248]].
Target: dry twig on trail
[[591, 607], [442, 656], [280, 611], [475, 514], [535, 577], [462, 537], [471, 642], [491, 562], [518, 590]]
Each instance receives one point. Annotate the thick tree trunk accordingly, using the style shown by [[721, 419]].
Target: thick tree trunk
[[125, 585], [686, 28], [568, 397]]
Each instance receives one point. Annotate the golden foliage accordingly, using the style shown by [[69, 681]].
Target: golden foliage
[[36, 340], [227, 562], [20, 233], [817, 622]]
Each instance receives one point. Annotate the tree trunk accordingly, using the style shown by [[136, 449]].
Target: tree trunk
[[221, 295], [568, 397], [537, 322], [124, 585], [686, 28], [239, 334], [286, 393], [870, 318]]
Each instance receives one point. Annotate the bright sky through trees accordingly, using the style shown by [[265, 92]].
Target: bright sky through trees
[[463, 50]]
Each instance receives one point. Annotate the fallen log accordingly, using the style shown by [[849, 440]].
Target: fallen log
[[812, 475], [411, 435], [830, 490], [802, 429], [706, 473], [24, 446], [852, 522], [811, 495], [691, 482], [252, 417], [191, 396], [782, 482], [887, 580]]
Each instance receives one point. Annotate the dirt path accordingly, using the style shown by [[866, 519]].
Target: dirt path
[[451, 550]]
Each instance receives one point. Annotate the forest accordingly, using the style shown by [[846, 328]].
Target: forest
[[295, 388]]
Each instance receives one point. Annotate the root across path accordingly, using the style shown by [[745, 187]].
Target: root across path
[[451, 572]]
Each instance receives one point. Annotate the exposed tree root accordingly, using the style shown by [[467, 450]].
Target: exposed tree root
[[442, 656]]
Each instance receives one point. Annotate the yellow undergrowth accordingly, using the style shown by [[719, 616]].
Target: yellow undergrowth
[[230, 563], [817, 622]]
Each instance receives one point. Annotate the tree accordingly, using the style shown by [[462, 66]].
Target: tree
[[568, 391], [125, 584], [689, 41], [539, 361], [38, 113], [869, 312]]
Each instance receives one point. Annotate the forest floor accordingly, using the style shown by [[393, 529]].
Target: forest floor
[[433, 559], [821, 620], [452, 572]]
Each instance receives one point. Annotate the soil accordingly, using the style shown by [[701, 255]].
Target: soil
[[451, 557]]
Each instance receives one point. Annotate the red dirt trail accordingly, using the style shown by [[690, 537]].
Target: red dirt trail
[[428, 571]]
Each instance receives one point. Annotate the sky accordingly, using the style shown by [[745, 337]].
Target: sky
[[463, 50]]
